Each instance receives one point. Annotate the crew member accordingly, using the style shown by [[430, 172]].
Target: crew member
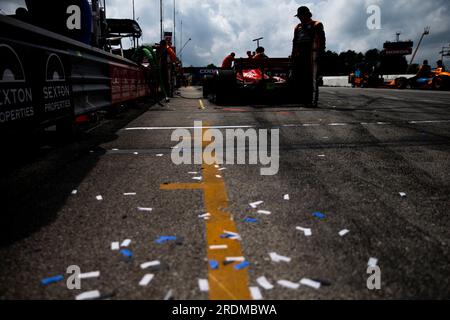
[[308, 47], [249, 55], [424, 71], [228, 61], [260, 53], [440, 65]]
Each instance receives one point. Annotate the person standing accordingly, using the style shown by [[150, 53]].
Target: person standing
[[227, 63], [307, 49]]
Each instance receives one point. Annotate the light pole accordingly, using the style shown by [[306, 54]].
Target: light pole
[[174, 23], [161, 17], [257, 41]]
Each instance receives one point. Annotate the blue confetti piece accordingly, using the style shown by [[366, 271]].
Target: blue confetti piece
[[126, 253], [226, 236], [214, 264], [319, 215], [165, 239], [242, 265], [250, 220], [51, 280]]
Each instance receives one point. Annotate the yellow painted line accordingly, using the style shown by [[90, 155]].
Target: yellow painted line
[[202, 105], [225, 283]]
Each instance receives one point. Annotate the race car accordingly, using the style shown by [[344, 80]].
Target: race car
[[264, 79], [438, 80]]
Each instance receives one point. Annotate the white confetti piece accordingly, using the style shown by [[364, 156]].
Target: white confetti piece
[[402, 194], [115, 149], [146, 280], [256, 293], [234, 259], [197, 178], [125, 243], [306, 231], [204, 216], [115, 246], [145, 209], [264, 212], [321, 156], [160, 155], [74, 192], [99, 198], [89, 275], [310, 283], [150, 264], [203, 285], [254, 205], [286, 197], [288, 284], [218, 247], [264, 283], [192, 172], [221, 169], [372, 262], [344, 232], [218, 176], [278, 258], [233, 235], [216, 166], [135, 153], [130, 194], [169, 295], [89, 295]]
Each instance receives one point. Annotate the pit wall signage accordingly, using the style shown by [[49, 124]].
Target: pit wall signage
[[34, 86]]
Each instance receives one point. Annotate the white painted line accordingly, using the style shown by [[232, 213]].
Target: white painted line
[[203, 285], [150, 264], [264, 283], [89, 295], [89, 275], [288, 284], [146, 280], [256, 293], [310, 283]]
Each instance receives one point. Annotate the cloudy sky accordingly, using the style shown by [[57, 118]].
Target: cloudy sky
[[218, 27]]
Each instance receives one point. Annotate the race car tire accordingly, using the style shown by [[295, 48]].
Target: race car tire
[[401, 83]]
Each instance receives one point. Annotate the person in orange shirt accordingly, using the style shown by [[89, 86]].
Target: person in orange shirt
[[308, 46], [228, 61]]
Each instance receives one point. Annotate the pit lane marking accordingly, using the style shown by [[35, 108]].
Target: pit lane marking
[[225, 283]]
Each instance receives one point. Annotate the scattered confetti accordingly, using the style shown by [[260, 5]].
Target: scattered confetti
[[125, 243], [146, 280], [234, 259], [250, 220], [213, 264], [89, 295], [99, 198], [254, 205], [402, 194], [278, 258], [306, 231], [256, 293], [372, 262], [115, 246], [264, 212], [145, 209], [51, 280], [130, 194], [89, 275], [310, 283], [242, 265], [150, 264], [74, 192], [164, 239], [288, 284], [126, 253], [286, 197], [319, 215], [218, 247], [203, 285], [264, 283], [344, 232]]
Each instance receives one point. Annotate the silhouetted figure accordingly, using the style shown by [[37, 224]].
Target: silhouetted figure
[[227, 63]]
